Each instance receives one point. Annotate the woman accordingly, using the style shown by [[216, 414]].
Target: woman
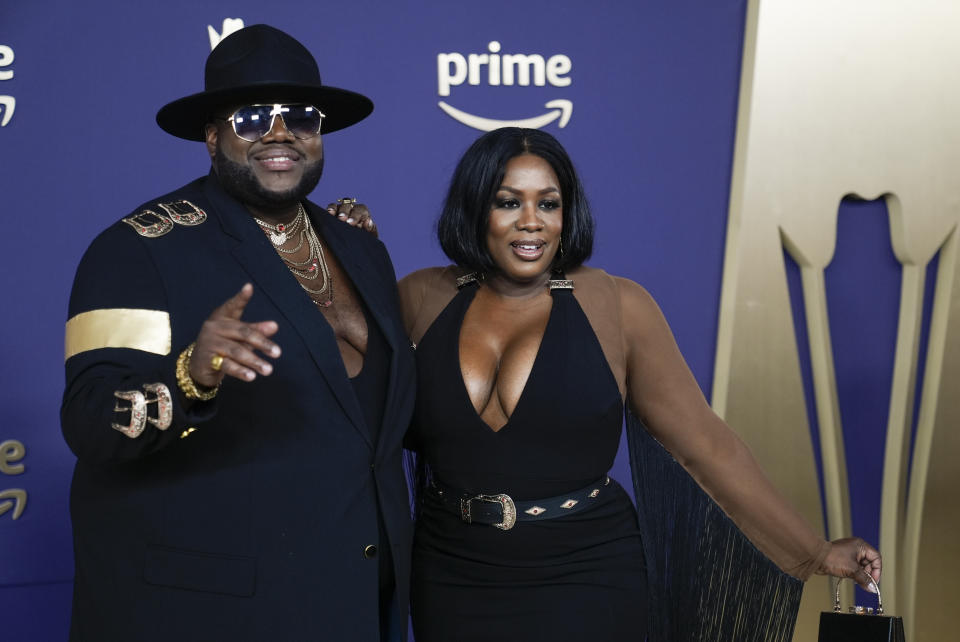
[[526, 360]]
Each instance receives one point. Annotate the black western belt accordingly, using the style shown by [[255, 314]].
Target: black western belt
[[503, 512]]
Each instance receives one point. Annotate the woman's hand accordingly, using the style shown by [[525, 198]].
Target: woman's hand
[[353, 213], [854, 558]]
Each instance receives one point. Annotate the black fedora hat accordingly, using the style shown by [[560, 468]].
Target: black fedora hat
[[261, 63]]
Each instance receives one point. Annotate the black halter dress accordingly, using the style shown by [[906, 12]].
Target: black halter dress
[[578, 576]]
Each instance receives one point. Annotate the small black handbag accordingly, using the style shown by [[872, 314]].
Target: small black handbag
[[860, 624]]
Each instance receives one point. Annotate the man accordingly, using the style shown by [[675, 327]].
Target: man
[[238, 384]]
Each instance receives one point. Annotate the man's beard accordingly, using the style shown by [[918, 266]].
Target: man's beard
[[239, 181]]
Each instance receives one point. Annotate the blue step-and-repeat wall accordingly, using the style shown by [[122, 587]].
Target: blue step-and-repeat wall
[[644, 95]]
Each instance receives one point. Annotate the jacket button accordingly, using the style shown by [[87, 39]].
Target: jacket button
[[370, 551]]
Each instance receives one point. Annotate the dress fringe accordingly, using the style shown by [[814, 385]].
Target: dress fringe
[[707, 582]]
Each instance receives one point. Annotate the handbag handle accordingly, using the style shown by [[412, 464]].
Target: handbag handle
[[876, 585]]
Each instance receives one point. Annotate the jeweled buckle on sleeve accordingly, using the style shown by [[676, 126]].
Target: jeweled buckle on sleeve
[[506, 504]]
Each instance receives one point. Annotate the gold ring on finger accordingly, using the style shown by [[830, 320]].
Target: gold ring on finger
[[346, 200], [216, 362]]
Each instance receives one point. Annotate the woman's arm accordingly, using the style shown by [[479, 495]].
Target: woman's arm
[[663, 393]]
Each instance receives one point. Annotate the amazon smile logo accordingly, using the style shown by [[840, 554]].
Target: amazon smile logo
[[453, 69]]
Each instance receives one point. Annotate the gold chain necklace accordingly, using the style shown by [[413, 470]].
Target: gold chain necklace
[[281, 232], [315, 264]]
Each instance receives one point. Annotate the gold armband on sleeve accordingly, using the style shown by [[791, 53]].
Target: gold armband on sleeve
[[186, 383]]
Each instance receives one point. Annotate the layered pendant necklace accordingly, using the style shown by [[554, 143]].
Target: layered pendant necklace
[[281, 232], [314, 266]]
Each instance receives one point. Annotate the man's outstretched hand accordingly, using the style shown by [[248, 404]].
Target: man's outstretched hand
[[236, 341]]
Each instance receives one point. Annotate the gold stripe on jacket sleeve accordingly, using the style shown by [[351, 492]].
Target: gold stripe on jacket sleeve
[[147, 330]]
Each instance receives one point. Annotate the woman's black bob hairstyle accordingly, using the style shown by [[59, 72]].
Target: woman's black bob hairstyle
[[462, 228]]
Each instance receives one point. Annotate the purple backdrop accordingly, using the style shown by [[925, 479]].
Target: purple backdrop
[[654, 92]]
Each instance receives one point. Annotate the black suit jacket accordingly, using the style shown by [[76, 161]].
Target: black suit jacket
[[256, 524]]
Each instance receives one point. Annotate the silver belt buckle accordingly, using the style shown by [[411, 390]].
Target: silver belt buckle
[[506, 504]]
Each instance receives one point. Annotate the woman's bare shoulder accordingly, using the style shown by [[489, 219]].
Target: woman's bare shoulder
[[629, 292], [616, 298], [423, 295], [430, 282], [419, 279], [603, 285]]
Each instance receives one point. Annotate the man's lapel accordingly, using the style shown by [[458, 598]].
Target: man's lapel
[[373, 285], [272, 279]]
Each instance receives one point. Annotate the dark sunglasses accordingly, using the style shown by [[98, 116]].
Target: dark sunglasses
[[253, 122]]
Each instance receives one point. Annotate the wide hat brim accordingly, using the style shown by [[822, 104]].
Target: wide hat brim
[[187, 117], [261, 64]]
